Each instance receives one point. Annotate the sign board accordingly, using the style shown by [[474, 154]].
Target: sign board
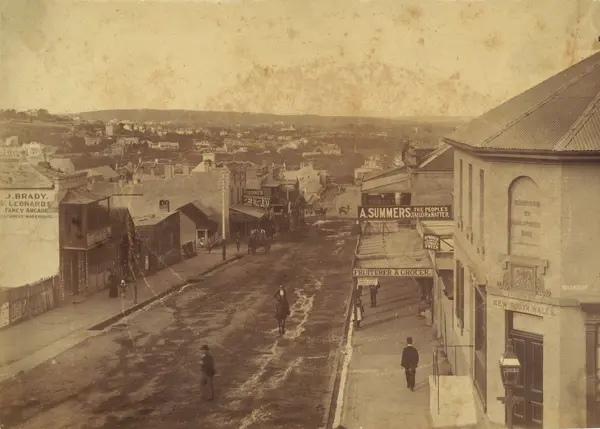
[[392, 272], [38, 204], [523, 307], [164, 205], [367, 281], [253, 201], [98, 236], [404, 212], [254, 193], [431, 242]]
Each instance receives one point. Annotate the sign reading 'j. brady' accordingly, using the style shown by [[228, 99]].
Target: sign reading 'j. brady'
[[30, 204], [392, 272], [404, 212]]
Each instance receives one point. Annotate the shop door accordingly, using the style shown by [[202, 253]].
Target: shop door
[[530, 350]]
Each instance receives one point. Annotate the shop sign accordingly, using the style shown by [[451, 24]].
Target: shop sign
[[431, 242], [27, 204], [523, 307], [98, 236], [253, 201], [367, 281], [392, 272], [404, 212], [254, 193]]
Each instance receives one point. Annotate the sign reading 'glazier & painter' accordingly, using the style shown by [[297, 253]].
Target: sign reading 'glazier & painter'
[[404, 212], [392, 272]]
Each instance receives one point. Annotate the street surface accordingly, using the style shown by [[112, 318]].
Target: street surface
[[144, 371]]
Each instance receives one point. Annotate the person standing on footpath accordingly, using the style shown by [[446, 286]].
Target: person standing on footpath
[[410, 361], [373, 289], [207, 373]]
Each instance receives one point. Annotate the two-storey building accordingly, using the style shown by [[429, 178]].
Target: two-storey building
[[526, 193]]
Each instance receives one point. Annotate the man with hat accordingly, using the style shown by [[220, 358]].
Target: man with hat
[[281, 294], [207, 372]]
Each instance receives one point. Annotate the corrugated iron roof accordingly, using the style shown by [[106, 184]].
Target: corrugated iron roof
[[80, 196], [402, 180], [561, 114], [398, 249], [254, 212], [15, 175]]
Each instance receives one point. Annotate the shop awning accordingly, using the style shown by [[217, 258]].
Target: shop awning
[[391, 184], [397, 254], [243, 213]]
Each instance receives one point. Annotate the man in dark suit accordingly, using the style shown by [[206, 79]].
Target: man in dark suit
[[208, 372], [410, 362]]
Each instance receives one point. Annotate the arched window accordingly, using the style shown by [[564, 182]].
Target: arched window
[[525, 209]]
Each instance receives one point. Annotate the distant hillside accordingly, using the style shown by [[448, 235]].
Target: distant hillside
[[201, 118]]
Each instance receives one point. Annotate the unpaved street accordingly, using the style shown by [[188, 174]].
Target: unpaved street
[[144, 372]]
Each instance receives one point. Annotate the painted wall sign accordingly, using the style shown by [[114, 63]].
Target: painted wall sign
[[392, 272], [261, 202], [28, 204], [431, 242], [367, 281], [523, 307], [525, 218], [404, 212], [254, 193]]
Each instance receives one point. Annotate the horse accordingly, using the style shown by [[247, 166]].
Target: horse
[[281, 315]]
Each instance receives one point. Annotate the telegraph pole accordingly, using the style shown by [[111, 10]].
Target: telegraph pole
[[223, 196]]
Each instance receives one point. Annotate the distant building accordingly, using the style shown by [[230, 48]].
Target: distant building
[[92, 140], [127, 141], [168, 145], [11, 141]]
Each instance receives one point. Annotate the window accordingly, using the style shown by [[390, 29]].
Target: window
[[481, 204], [460, 295], [470, 208], [480, 329], [460, 194]]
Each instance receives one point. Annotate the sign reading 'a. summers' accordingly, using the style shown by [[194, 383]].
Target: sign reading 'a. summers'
[[404, 212]]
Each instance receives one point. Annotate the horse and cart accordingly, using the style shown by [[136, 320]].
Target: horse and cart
[[259, 239]]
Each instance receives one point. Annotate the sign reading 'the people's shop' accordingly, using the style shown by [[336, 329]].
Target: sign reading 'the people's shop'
[[404, 212]]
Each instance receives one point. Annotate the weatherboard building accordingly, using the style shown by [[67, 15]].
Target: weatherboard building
[[526, 234]]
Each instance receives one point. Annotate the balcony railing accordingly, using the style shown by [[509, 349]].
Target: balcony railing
[[87, 241]]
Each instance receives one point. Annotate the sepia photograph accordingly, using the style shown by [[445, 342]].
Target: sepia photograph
[[311, 214]]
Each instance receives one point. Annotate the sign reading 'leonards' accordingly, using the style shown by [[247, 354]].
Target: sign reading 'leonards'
[[404, 212], [392, 272]]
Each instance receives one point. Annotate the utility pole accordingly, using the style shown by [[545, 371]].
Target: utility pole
[[223, 196]]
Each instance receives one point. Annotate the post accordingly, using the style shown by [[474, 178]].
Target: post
[[135, 290], [509, 408], [223, 196]]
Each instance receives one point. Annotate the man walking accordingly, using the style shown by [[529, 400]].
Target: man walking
[[410, 361], [374, 288], [207, 372]]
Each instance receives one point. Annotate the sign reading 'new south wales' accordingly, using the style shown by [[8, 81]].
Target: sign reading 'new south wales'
[[404, 212]]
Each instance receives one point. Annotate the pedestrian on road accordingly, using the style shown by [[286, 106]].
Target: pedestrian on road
[[113, 286], [410, 361], [374, 288], [360, 309], [282, 295], [123, 288], [207, 373]]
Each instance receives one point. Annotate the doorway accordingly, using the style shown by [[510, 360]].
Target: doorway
[[529, 348]]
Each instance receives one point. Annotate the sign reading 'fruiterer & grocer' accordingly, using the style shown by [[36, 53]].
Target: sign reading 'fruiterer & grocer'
[[404, 212], [392, 272]]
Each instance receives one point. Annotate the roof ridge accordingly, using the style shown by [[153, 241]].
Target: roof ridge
[[578, 125], [539, 104], [434, 154]]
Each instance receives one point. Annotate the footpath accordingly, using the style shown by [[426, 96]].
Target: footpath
[[375, 392], [30, 343]]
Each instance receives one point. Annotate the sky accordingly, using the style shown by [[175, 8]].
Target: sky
[[327, 57]]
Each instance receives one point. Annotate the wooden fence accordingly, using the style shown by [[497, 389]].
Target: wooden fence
[[25, 302]]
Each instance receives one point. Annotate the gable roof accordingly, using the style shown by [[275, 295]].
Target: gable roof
[[143, 199], [441, 159], [559, 115], [17, 175]]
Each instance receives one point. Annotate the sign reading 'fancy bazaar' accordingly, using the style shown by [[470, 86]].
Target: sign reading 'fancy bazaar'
[[404, 212], [392, 272]]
